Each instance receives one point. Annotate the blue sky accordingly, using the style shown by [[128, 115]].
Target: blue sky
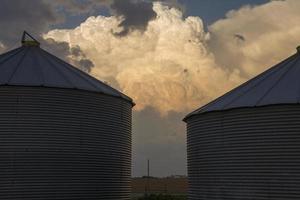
[[212, 10], [208, 10]]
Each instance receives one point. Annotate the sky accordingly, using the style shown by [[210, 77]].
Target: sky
[[208, 10], [170, 56]]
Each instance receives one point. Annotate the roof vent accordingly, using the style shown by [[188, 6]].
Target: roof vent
[[28, 40]]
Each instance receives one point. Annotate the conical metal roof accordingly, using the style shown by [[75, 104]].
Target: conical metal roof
[[30, 65], [278, 85]]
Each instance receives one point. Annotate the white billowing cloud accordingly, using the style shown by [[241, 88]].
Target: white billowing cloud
[[254, 38], [175, 65], [167, 67]]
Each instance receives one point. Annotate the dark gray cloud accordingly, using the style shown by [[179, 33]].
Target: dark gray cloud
[[76, 7], [37, 17], [76, 51], [85, 64], [136, 14], [81, 60], [173, 4], [73, 55]]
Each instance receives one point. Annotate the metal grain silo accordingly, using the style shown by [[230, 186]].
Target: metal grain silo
[[246, 143], [63, 134]]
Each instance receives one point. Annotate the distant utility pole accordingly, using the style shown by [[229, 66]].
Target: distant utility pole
[[147, 178], [148, 168]]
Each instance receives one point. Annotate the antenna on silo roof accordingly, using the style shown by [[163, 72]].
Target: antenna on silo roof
[[28, 40]]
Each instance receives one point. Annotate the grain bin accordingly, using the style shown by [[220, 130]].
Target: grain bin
[[246, 143], [63, 134]]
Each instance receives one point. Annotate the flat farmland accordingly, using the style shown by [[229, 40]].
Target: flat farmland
[[170, 185]]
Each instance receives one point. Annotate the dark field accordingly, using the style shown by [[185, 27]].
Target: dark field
[[162, 197], [159, 188]]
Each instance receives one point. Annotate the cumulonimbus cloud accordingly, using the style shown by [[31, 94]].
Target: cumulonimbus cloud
[[167, 66], [174, 64]]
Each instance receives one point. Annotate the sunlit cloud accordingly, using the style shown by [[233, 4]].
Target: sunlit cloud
[[270, 33], [167, 66]]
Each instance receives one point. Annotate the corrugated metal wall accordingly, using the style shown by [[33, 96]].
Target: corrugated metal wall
[[63, 144], [246, 153]]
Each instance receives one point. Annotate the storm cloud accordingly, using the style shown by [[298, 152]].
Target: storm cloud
[[136, 14], [72, 54], [37, 17]]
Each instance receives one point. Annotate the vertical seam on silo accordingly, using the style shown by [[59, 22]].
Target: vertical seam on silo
[[83, 76], [89, 79], [66, 65], [9, 53], [258, 83], [10, 56], [17, 66], [270, 70], [279, 79], [56, 68], [39, 68]]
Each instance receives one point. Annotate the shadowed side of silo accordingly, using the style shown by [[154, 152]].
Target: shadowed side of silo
[[246, 143], [63, 134]]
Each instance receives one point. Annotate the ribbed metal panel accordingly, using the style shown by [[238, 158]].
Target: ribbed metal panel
[[245, 153], [63, 144]]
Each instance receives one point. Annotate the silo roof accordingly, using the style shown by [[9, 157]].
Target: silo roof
[[279, 84], [30, 65]]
